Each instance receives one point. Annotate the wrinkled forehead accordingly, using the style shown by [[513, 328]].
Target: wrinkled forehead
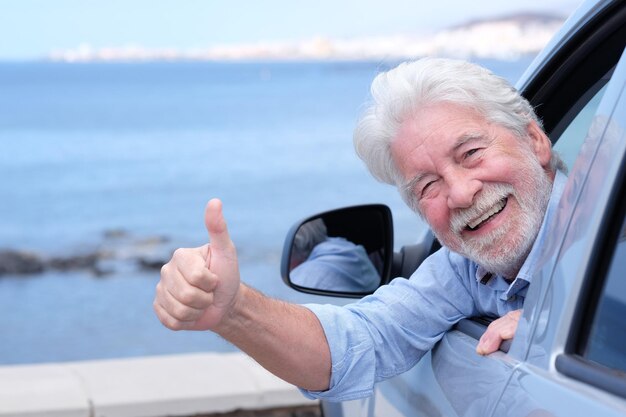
[[433, 132]]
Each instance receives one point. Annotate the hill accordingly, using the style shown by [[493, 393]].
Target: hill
[[506, 37]]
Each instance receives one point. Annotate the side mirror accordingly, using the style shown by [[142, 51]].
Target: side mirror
[[346, 252]]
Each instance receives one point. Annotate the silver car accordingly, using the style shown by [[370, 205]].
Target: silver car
[[568, 357]]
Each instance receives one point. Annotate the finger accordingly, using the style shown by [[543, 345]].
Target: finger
[[216, 227], [169, 321], [193, 271], [178, 310], [488, 343], [188, 294], [499, 330]]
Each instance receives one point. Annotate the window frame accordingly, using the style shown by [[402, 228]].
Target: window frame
[[572, 361], [586, 58]]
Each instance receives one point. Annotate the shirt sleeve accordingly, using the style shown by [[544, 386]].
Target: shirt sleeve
[[339, 265], [387, 333]]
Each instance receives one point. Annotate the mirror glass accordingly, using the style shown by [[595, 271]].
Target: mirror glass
[[344, 251]]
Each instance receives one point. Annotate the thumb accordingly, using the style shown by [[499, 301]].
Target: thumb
[[216, 226]]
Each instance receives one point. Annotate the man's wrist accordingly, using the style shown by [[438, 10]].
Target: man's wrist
[[234, 316]]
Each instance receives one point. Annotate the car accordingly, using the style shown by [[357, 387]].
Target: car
[[568, 357]]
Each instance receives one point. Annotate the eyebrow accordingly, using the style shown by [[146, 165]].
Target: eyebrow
[[410, 185], [467, 137]]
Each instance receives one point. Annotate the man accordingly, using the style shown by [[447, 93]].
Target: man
[[468, 154], [330, 263]]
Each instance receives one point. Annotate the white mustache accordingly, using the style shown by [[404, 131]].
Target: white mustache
[[490, 195]]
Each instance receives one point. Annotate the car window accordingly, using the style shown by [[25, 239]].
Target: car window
[[594, 352], [564, 92], [569, 143], [607, 337]]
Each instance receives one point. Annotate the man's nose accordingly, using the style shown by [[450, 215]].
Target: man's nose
[[461, 191]]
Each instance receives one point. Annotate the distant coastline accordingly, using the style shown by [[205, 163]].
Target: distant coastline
[[504, 38]]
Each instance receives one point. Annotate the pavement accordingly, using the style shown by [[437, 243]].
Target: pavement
[[154, 386]]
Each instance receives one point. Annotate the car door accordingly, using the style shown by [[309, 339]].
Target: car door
[[453, 380], [572, 341], [567, 85]]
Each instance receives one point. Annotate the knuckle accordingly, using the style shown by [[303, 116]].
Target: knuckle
[[196, 277], [514, 315], [160, 290], [187, 296], [209, 299], [165, 319], [181, 313], [179, 254], [173, 314], [172, 324]]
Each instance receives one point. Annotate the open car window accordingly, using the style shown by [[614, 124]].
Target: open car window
[[569, 143], [594, 352]]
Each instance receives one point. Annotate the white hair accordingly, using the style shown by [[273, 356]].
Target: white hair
[[307, 237], [411, 85]]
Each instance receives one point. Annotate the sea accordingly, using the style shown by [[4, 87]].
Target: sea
[[121, 158]]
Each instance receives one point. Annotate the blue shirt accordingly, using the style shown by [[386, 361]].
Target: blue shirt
[[339, 265], [388, 332]]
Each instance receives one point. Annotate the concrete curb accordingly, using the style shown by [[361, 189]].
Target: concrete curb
[[154, 386]]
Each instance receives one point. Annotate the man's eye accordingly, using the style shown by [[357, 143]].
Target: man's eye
[[427, 187], [471, 152]]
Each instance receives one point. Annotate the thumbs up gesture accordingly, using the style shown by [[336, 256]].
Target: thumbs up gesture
[[199, 286]]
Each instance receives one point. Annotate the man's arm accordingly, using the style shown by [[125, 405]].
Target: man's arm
[[200, 289]]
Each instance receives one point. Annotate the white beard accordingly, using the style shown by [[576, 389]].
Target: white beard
[[504, 250]]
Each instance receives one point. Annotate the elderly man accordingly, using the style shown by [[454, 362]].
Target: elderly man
[[468, 154]]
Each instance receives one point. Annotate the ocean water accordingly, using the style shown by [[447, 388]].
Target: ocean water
[[125, 156]]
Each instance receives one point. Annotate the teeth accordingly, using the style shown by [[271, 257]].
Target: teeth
[[495, 209]]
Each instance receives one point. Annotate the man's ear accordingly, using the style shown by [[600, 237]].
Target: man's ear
[[540, 143]]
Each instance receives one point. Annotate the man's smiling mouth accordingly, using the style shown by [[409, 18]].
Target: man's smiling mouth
[[478, 222]]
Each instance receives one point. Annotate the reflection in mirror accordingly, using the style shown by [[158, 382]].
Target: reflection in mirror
[[339, 254]]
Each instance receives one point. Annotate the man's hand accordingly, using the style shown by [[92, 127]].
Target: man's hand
[[498, 331], [199, 286]]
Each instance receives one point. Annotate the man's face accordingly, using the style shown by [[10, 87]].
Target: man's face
[[482, 189]]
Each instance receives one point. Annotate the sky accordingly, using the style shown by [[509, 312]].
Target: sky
[[30, 29]]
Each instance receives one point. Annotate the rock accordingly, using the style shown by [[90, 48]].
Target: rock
[[115, 234], [28, 263], [118, 251], [151, 264], [87, 261], [20, 263], [152, 241]]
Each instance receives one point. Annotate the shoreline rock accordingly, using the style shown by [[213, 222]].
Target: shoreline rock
[[117, 251], [20, 263]]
